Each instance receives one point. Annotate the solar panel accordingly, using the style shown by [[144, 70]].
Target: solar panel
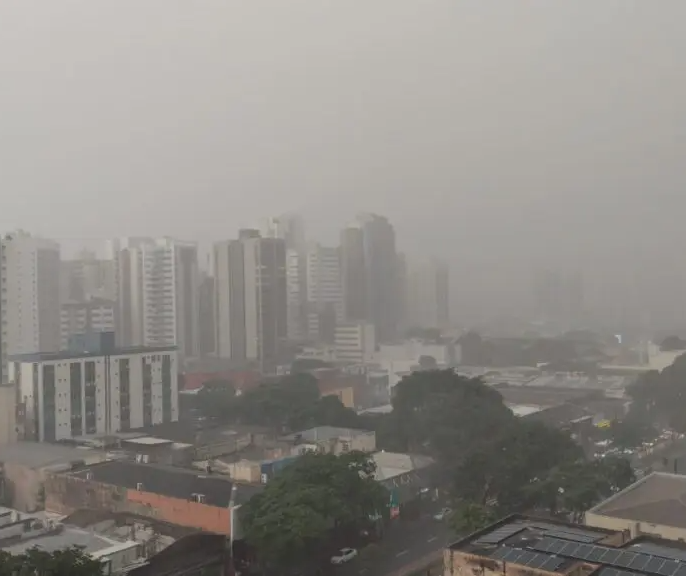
[[527, 558], [668, 568], [573, 537], [552, 563], [618, 558], [661, 551], [500, 534]]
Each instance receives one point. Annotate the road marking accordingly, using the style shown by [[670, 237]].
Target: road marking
[[401, 553], [363, 570], [432, 539]]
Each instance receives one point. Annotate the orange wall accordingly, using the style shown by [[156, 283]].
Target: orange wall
[[183, 512]]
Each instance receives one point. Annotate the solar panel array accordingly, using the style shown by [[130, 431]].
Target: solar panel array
[[646, 563], [526, 558], [615, 572], [501, 534], [574, 536]]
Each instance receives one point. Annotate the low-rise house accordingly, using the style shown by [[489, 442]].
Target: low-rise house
[[332, 440], [174, 495]]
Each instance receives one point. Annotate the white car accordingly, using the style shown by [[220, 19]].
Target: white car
[[443, 514], [344, 555]]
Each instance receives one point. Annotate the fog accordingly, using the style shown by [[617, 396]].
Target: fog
[[503, 136]]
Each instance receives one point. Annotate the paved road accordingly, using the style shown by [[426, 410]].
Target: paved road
[[407, 545]]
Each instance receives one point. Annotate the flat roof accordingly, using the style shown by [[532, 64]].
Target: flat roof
[[659, 498], [41, 455], [71, 355], [148, 441], [92, 543], [392, 464], [170, 481], [525, 541], [326, 433], [524, 409]]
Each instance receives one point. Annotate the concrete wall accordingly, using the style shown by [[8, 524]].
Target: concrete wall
[[245, 471], [456, 563], [65, 494], [634, 528]]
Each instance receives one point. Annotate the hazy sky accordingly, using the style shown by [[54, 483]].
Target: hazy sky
[[547, 128]]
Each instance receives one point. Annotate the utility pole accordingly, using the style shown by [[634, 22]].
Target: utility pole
[[232, 524]]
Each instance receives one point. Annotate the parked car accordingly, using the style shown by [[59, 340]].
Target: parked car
[[344, 555], [443, 514]]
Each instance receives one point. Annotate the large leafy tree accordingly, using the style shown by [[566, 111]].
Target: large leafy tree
[[469, 517], [289, 521], [35, 562]]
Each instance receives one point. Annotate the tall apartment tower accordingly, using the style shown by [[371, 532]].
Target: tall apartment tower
[[251, 298], [325, 303], [30, 294], [291, 229], [428, 288], [353, 274], [158, 282]]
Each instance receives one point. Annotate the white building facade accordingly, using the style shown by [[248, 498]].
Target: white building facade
[[30, 293], [64, 396], [158, 294], [94, 315], [355, 342], [251, 298]]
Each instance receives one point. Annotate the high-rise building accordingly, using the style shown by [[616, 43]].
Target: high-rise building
[[381, 262], [31, 293], [206, 316], [291, 229], [428, 294], [353, 274], [325, 304], [251, 298], [158, 283], [92, 315], [87, 277]]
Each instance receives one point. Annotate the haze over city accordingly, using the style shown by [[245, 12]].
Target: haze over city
[[543, 134], [317, 288]]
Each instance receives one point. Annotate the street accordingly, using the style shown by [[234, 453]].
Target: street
[[408, 544]]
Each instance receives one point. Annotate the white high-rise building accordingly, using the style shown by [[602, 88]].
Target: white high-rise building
[[324, 292], [428, 288], [250, 298], [30, 294], [157, 284]]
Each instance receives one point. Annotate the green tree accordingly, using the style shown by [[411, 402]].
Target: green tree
[[35, 562], [319, 493], [217, 399], [469, 517]]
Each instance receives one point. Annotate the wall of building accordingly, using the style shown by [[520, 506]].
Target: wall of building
[[98, 410], [457, 563], [8, 414], [65, 494], [634, 528]]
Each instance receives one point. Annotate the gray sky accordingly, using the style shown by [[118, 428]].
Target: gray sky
[[553, 130]]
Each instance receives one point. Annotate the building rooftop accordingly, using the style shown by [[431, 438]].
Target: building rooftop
[[659, 498], [392, 464], [524, 409], [325, 433], [148, 441], [71, 355], [554, 546], [169, 481], [93, 544], [42, 455]]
